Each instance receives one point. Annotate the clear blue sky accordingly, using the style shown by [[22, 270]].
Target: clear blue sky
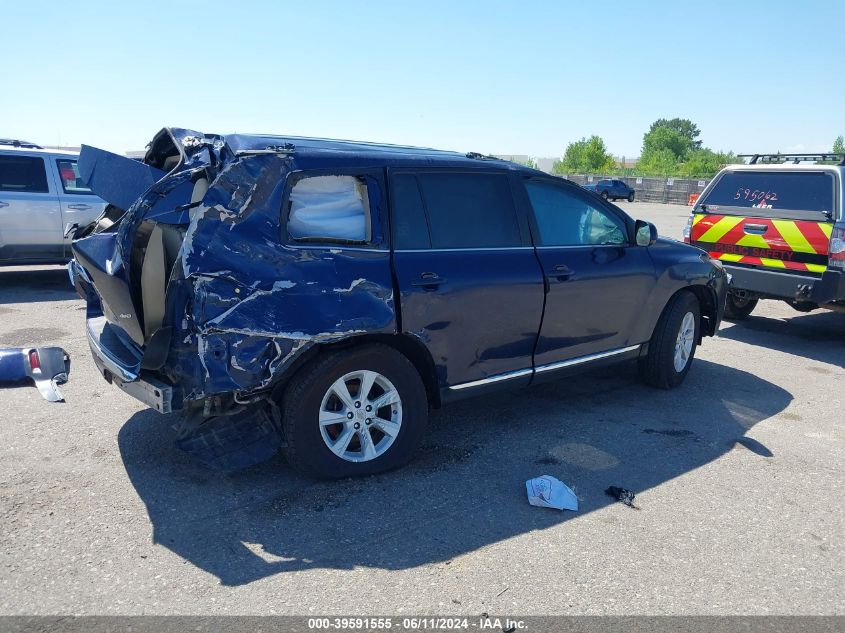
[[503, 77]]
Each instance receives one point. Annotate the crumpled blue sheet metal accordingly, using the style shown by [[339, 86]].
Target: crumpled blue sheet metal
[[116, 179], [47, 367]]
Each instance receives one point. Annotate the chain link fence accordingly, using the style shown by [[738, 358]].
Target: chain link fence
[[647, 189]]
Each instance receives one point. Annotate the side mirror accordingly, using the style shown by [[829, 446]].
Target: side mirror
[[646, 233]]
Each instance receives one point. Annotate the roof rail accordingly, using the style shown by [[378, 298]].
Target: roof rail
[[480, 156], [16, 143], [757, 159]]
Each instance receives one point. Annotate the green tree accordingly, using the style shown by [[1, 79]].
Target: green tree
[[665, 138], [587, 156], [684, 127], [705, 163], [658, 162], [839, 145]]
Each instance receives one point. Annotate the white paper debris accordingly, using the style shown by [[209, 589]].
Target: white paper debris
[[547, 492]]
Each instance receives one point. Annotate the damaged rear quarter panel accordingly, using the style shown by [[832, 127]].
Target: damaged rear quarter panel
[[259, 300]]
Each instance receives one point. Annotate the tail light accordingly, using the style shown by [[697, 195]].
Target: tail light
[[688, 230], [34, 363], [836, 250], [67, 174]]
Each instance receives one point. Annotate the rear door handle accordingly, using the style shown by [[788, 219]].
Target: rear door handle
[[562, 272], [429, 281], [79, 207]]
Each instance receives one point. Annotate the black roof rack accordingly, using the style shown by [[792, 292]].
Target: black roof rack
[[757, 159], [480, 156], [16, 143]]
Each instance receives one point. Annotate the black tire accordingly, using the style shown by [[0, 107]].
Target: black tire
[[604, 195], [631, 197], [658, 367], [737, 309], [307, 451]]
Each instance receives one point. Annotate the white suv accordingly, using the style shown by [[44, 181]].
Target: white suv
[[41, 196]]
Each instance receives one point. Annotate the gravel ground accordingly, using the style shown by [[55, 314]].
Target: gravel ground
[[738, 474]]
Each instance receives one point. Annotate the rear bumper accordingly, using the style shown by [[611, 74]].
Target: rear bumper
[[47, 367], [831, 287], [825, 289], [120, 364], [111, 354]]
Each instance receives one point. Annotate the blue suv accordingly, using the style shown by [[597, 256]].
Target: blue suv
[[320, 295]]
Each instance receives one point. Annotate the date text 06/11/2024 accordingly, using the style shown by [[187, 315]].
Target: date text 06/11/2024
[[428, 623]]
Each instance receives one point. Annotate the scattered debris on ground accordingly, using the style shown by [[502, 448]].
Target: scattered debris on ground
[[47, 367], [623, 495], [547, 492]]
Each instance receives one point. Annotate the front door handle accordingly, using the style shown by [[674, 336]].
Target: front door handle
[[429, 281], [3, 204], [562, 272], [79, 207]]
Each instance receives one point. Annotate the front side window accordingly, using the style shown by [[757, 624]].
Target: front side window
[[330, 208], [564, 218], [23, 174], [69, 174], [469, 210]]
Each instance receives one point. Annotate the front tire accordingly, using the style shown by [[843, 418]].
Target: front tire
[[604, 195], [631, 197], [672, 346], [737, 309], [354, 412]]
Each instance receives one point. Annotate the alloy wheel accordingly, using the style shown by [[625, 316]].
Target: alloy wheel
[[360, 416], [684, 342]]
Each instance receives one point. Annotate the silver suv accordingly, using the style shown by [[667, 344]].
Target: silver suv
[[41, 198]]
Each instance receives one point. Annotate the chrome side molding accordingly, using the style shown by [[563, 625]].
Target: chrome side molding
[[586, 359], [519, 373]]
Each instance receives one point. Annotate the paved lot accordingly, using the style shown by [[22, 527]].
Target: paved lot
[[739, 476]]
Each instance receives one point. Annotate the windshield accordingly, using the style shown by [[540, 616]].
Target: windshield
[[800, 191]]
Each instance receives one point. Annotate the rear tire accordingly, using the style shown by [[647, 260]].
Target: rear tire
[[737, 309], [604, 195], [317, 420], [672, 346], [631, 197]]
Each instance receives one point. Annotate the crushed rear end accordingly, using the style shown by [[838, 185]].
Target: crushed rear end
[[197, 303]]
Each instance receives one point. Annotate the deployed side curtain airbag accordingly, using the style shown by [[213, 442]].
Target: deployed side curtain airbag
[[329, 207]]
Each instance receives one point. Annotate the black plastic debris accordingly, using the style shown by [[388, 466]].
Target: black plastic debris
[[235, 441], [623, 495], [47, 367]]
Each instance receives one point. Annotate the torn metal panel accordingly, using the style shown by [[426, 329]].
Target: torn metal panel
[[116, 179], [47, 367], [257, 303], [204, 284]]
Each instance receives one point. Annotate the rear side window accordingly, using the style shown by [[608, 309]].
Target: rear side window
[[469, 210], [798, 191], [69, 174], [23, 173], [330, 209], [410, 227]]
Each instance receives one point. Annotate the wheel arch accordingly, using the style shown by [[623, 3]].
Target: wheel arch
[[413, 349], [708, 307]]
